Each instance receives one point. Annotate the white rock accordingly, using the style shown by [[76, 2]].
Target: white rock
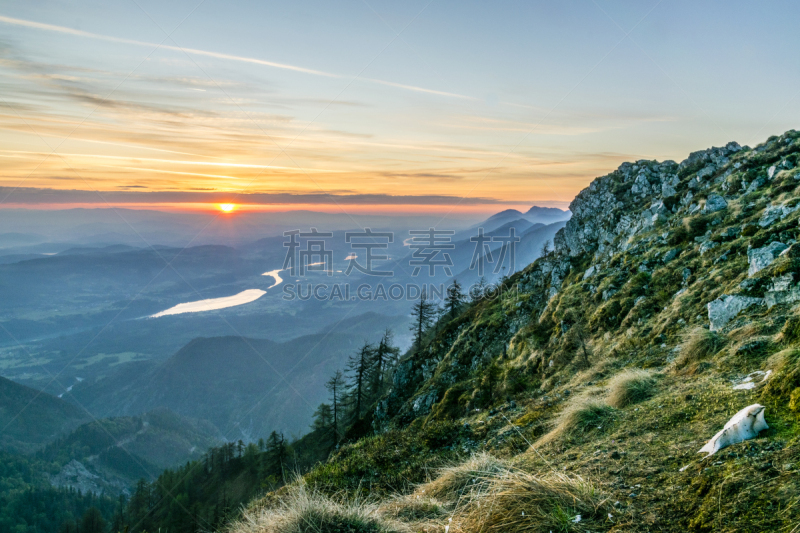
[[589, 272], [761, 258], [753, 379], [724, 309], [771, 171], [745, 425]]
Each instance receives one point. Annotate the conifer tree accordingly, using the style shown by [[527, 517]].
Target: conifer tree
[[276, 452], [360, 367], [336, 386], [385, 356], [423, 312], [92, 521], [455, 298]]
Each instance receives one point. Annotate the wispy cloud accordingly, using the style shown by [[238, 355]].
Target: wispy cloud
[[219, 55], [36, 196]]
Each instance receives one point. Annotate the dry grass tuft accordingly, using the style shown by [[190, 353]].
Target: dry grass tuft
[[697, 345], [413, 508], [790, 333], [582, 415], [517, 501], [463, 479], [304, 510], [749, 330], [630, 386]]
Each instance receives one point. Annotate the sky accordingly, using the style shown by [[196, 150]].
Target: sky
[[368, 106]]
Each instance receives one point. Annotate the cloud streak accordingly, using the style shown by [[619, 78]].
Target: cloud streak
[[218, 55], [36, 196]]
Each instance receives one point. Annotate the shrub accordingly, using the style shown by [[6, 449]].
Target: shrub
[[303, 510], [629, 387], [518, 501], [699, 344]]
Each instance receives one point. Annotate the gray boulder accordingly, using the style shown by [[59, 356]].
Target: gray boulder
[[772, 213], [758, 182], [707, 245], [724, 309], [782, 290], [715, 203], [706, 171], [761, 258], [671, 254]]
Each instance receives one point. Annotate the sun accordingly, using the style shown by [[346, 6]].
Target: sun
[[227, 208]]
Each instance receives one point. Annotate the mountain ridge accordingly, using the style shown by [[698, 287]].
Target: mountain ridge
[[668, 304]]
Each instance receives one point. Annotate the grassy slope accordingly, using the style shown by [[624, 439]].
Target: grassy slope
[[640, 459]]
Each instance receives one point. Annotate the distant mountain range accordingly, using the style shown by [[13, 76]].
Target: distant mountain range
[[535, 215], [30, 418], [245, 387]]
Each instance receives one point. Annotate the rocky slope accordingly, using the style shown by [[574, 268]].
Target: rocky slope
[[596, 374]]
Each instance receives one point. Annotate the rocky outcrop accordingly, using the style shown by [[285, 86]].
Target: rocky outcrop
[[714, 203], [607, 214], [782, 290], [761, 258], [773, 213], [724, 309], [616, 222]]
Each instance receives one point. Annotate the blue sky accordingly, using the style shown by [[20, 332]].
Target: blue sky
[[508, 103]]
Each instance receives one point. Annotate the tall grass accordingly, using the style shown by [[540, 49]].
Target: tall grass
[[699, 344], [517, 501], [463, 479], [305, 510], [630, 386], [581, 416]]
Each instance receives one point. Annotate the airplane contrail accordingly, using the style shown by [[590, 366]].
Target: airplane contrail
[[80, 33]]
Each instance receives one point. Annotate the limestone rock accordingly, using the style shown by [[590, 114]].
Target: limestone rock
[[708, 245], [761, 258], [758, 182], [744, 425], [724, 309], [773, 213], [671, 254], [715, 203], [782, 290]]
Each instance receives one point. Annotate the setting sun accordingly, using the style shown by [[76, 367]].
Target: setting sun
[[227, 208]]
